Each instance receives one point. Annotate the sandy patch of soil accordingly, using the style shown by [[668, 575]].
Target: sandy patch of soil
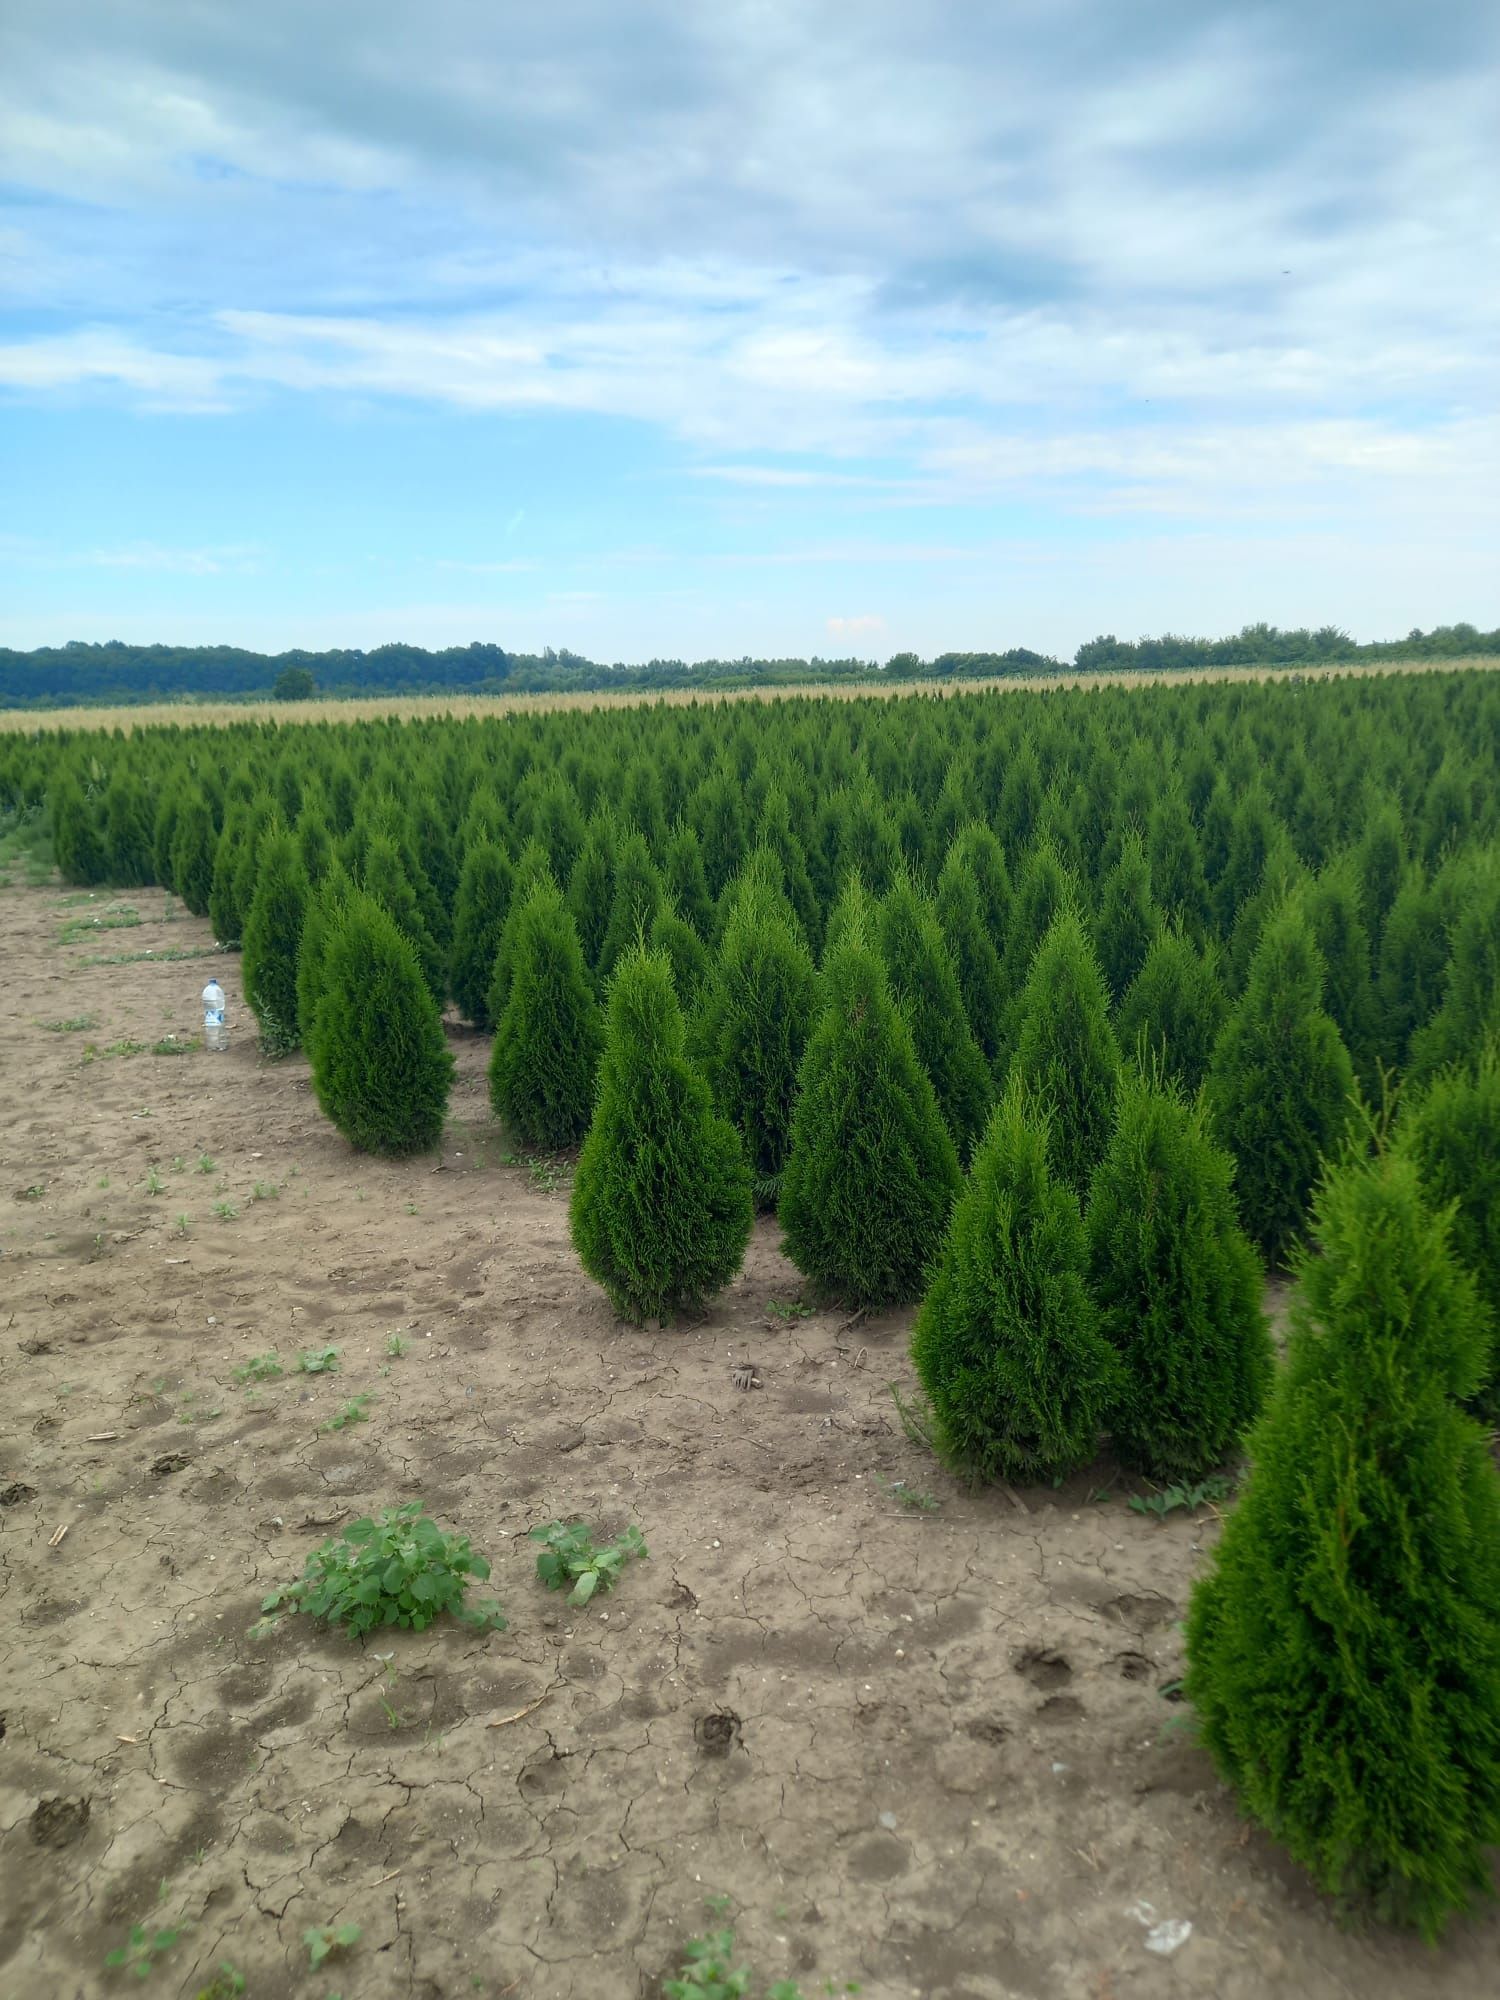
[[932, 1751]]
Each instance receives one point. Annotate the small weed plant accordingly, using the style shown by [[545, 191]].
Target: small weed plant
[[79, 1024], [207, 1164], [225, 1210], [355, 1411], [789, 1309], [1201, 1493], [318, 1361], [227, 1984], [142, 1948], [259, 1368], [323, 1940], [398, 1569], [909, 1497], [395, 1346], [570, 1556], [265, 1191], [708, 1972]]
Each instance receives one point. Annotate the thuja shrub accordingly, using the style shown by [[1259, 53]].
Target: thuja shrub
[[273, 937], [320, 918], [1066, 1052], [661, 1206], [752, 1031], [548, 1041], [381, 1065], [924, 983], [1344, 1647], [872, 1172], [479, 912], [1007, 1342], [1280, 1086], [1178, 1287], [1452, 1131]]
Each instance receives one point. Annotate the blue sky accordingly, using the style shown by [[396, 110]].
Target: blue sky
[[772, 327]]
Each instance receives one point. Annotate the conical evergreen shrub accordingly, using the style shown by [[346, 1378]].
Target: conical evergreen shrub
[[661, 1209], [1174, 1009], [224, 911], [591, 886], [532, 867], [1066, 1053], [959, 907], [1338, 928], [1452, 1131], [1178, 882], [685, 881], [387, 880], [273, 938], [1469, 1012], [674, 937], [872, 1172], [479, 912], [548, 1041], [325, 907], [925, 986], [1128, 919], [1007, 1342], [1178, 1287], [1279, 1089], [637, 897], [1344, 1647], [382, 1067], [752, 1031], [1410, 965]]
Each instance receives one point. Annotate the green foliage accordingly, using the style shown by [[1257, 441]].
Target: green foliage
[[548, 1041], [294, 684], [355, 1411], [1470, 1008], [322, 1940], [1178, 1287], [1128, 919], [1043, 892], [398, 1569], [925, 986], [484, 887], [674, 938], [637, 895], [1066, 1054], [142, 1948], [318, 1361], [259, 1368], [571, 1560], [388, 882], [227, 1983], [273, 937], [533, 869], [661, 1208], [960, 910], [323, 913], [872, 1172], [591, 887], [380, 1060], [1344, 1648], [752, 1030], [1174, 1009], [1187, 1495], [1452, 1132], [1280, 1085], [1007, 1343], [1410, 966], [1338, 928]]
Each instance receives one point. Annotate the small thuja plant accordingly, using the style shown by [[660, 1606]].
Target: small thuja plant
[[399, 1569], [318, 1361], [322, 1940], [571, 1556]]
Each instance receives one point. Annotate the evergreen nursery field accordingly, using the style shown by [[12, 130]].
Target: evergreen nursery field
[[803, 1346]]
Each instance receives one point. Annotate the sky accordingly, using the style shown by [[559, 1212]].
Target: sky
[[770, 327]]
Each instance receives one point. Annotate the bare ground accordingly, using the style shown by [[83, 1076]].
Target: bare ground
[[954, 1769]]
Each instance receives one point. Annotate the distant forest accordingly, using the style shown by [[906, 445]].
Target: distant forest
[[59, 676]]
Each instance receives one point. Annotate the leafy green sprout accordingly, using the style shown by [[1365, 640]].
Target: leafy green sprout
[[322, 1940], [265, 1191], [910, 1497], [398, 1569], [142, 1948], [259, 1368], [318, 1361], [571, 1556], [182, 1226], [227, 1983], [207, 1164], [355, 1411], [395, 1346], [225, 1210], [1203, 1493], [154, 1182]]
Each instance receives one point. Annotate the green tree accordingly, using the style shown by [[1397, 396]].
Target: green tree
[[1280, 1086], [1410, 965], [661, 1209], [532, 867], [1470, 1008], [1066, 1052], [637, 897], [1043, 891], [382, 1066], [548, 1041], [1338, 929], [672, 935], [685, 881], [752, 1031], [1452, 1131], [925, 986], [325, 908], [591, 886], [1344, 1647], [479, 912], [294, 684], [1177, 1284], [273, 937], [959, 907], [1007, 1342], [872, 1172], [1174, 1008], [1128, 918], [388, 880]]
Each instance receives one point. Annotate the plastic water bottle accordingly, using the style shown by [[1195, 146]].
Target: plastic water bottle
[[215, 1034]]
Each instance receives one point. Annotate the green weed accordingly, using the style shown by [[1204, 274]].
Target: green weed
[[154, 1182], [207, 1164], [395, 1346], [570, 1556], [265, 1191], [318, 1361], [910, 1497], [225, 1210], [142, 1948], [355, 1411], [259, 1368], [79, 1024], [399, 1569], [789, 1309], [322, 1940], [227, 1984], [1217, 1486]]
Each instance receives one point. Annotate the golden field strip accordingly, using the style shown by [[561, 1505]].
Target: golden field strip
[[361, 708]]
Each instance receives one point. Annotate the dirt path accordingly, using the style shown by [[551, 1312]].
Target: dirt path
[[956, 1770]]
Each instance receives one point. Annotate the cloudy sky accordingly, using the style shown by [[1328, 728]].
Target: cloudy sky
[[768, 326]]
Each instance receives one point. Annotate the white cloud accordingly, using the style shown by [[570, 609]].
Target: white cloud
[[863, 625]]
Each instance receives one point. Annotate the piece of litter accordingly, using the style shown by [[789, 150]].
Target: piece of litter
[[59, 1535], [1058, 1769], [127, 1739], [1144, 1913], [888, 1821], [101, 1437], [1167, 1937]]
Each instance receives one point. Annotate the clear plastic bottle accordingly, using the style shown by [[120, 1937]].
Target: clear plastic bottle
[[215, 1034]]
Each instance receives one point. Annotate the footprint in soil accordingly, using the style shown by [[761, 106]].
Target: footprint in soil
[[1060, 1708], [1043, 1668], [15, 1493], [986, 1730], [1133, 1666], [170, 1461], [719, 1733], [59, 1822]]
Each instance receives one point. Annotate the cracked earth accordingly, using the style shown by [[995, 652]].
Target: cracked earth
[[933, 1750]]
